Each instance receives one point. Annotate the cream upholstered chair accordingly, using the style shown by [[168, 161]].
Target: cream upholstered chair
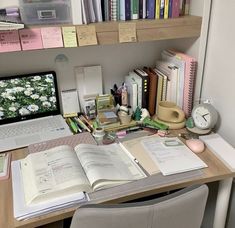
[[182, 209]]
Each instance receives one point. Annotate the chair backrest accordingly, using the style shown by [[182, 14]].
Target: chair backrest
[[182, 209]]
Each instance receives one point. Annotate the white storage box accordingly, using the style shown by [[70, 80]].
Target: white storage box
[[45, 11]]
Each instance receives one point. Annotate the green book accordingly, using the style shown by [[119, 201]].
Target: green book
[[134, 9]]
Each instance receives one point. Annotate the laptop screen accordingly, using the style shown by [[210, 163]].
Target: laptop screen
[[28, 96]]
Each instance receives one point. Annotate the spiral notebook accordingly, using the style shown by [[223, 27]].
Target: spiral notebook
[[189, 80]]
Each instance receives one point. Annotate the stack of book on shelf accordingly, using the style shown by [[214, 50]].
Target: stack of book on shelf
[[57, 178]]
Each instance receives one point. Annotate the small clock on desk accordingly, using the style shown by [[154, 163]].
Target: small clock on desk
[[205, 117]]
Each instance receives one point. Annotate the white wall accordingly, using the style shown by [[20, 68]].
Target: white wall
[[219, 78]]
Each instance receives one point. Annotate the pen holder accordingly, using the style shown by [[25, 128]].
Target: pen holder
[[124, 118]]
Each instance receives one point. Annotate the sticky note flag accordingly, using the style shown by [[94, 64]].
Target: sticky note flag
[[51, 37], [31, 39], [9, 41], [69, 36], [86, 35], [127, 32]]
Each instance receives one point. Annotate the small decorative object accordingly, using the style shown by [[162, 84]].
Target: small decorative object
[[144, 113], [137, 114]]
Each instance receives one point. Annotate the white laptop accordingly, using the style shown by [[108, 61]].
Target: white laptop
[[29, 110]]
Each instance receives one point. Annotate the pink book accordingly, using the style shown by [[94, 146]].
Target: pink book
[[31, 39], [52, 37], [9, 41], [175, 8], [189, 81]]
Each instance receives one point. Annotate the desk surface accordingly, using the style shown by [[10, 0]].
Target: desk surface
[[216, 171]]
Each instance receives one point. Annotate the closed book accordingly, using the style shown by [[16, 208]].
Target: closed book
[[102, 9], [175, 8], [162, 4], [150, 9], [157, 9], [136, 78], [153, 79], [145, 84], [141, 9], [134, 9], [122, 7], [76, 8], [98, 10], [132, 91], [128, 9], [113, 10], [159, 90], [170, 9], [144, 9], [166, 9]]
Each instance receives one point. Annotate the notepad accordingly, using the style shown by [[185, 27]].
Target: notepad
[[51, 37], [9, 41], [171, 155]]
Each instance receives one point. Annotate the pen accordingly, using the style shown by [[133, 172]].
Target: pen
[[82, 124], [72, 125]]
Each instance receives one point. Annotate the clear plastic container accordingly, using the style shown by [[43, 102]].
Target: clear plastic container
[[45, 12]]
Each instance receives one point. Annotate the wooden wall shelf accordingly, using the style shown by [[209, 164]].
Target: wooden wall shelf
[[150, 30]]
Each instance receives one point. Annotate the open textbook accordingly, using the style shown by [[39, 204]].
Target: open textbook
[[64, 170]]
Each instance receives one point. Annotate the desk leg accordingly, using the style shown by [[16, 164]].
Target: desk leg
[[222, 202]]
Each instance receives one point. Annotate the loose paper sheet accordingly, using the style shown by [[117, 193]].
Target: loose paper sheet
[[127, 32], [69, 36], [31, 39], [86, 35]]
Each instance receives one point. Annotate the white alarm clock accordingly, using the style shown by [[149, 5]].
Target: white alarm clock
[[204, 117]]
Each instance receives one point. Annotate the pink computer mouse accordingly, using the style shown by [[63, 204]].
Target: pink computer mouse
[[195, 145]]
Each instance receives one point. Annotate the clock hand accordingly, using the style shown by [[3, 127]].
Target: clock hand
[[203, 116]]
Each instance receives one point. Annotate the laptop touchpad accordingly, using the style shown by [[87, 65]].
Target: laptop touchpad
[[27, 139]]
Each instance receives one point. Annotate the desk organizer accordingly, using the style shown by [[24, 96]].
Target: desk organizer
[[45, 11]]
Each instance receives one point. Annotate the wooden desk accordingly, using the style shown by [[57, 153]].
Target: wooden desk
[[216, 171]]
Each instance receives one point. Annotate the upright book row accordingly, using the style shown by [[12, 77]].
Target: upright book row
[[84, 12], [172, 79]]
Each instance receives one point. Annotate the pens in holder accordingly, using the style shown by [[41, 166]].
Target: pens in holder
[[72, 125]]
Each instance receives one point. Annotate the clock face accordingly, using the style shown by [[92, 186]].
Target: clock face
[[202, 117]]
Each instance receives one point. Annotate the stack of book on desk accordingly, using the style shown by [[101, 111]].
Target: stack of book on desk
[[56, 178]]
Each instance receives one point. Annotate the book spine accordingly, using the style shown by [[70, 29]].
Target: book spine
[[166, 9], [145, 84], [118, 10], [106, 10], [113, 10], [122, 10], [128, 9], [103, 9], [144, 9], [141, 9], [157, 9], [186, 7], [150, 9], [175, 8], [162, 3], [134, 9], [170, 9]]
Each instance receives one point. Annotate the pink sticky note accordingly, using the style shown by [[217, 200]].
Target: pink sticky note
[[9, 41], [31, 39], [51, 37]]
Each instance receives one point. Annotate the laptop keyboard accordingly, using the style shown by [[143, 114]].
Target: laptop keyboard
[[30, 127]]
